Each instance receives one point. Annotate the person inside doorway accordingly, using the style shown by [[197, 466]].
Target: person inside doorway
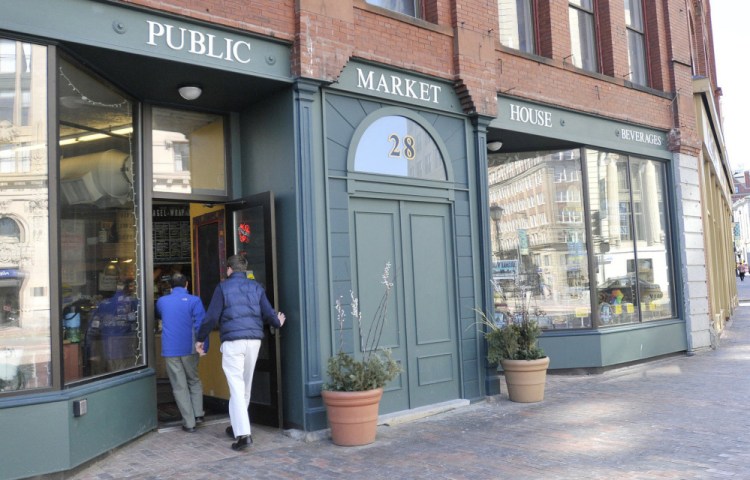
[[181, 315], [240, 307]]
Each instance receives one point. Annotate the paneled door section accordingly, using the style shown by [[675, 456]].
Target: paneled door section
[[417, 239]]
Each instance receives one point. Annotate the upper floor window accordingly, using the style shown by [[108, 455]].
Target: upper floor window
[[516, 19], [407, 7], [636, 41], [583, 35], [9, 230]]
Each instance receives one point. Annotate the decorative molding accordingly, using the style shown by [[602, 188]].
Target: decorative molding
[[8, 132]]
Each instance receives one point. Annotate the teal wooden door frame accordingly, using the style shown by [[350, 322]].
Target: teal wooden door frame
[[417, 238]]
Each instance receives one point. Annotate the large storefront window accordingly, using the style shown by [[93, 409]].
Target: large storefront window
[[633, 271], [101, 316], [539, 256], [24, 219], [542, 251]]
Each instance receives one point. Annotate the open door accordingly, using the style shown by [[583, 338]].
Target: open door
[[250, 227]]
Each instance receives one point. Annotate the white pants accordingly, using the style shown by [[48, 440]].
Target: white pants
[[238, 359]]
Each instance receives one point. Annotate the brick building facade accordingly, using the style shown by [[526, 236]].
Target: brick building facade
[[563, 157]]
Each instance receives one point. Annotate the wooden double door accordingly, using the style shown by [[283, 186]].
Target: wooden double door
[[422, 326]]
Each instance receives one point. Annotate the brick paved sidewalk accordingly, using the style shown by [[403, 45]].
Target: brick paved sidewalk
[[680, 417]]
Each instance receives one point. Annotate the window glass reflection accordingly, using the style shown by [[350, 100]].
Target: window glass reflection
[[407, 7], [540, 242], [24, 264], [188, 152], [101, 317], [582, 35], [539, 256], [636, 41], [652, 248], [516, 19], [396, 145], [629, 236]]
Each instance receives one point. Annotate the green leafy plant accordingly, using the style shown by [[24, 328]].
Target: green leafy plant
[[377, 367], [515, 337]]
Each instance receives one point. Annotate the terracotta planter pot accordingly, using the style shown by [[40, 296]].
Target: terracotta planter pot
[[352, 416], [525, 379]]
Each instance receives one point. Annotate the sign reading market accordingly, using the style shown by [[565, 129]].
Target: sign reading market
[[398, 85]]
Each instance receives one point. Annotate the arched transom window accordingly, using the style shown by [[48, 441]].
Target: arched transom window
[[397, 145]]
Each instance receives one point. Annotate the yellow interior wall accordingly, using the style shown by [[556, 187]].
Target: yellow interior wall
[[207, 157], [209, 367]]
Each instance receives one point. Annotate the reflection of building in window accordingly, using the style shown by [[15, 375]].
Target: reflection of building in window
[[9, 230], [178, 138], [516, 22], [396, 145], [181, 155], [10, 278]]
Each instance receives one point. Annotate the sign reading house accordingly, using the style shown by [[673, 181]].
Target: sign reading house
[[517, 115]]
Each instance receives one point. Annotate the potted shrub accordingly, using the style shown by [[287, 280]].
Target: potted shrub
[[355, 385], [513, 344]]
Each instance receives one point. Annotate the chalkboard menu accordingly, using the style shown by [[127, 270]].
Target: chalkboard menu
[[171, 234]]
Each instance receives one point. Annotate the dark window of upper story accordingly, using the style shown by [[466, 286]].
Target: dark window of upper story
[[9, 230], [407, 7], [583, 35], [636, 42], [516, 22]]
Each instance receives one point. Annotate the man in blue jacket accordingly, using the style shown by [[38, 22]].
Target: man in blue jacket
[[240, 307], [181, 315]]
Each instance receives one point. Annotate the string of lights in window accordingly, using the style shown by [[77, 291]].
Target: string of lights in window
[[85, 98]]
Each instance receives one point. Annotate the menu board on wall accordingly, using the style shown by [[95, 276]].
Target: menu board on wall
[[171, 234]]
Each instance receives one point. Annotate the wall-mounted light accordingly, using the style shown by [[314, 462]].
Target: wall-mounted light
[[494, 146], [190, 92]]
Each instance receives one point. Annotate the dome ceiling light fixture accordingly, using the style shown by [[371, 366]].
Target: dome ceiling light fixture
[[190, 92], [494, 146]]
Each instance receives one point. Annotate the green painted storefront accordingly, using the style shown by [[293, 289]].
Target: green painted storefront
[[337, 222]]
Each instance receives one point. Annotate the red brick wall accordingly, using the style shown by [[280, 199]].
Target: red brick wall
[[386, 39], [656, 41], [554, 29], [458, 41], [570, 88], [274, 18], [612, 38]]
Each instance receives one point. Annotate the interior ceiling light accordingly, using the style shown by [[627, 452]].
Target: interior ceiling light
[[190, 92], [96, 136], [494, 146]]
